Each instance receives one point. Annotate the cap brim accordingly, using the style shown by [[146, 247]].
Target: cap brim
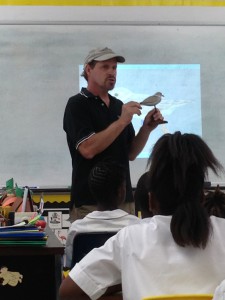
[[119, 58]]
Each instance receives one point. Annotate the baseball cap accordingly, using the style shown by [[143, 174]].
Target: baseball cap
[[101, 54]]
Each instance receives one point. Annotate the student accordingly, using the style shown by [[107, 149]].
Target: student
[[99, 126], [214, 203], [179, 251], [107, 184], [141, 197]]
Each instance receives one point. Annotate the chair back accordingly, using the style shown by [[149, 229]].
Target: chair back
[[84, 242], [181, 297]]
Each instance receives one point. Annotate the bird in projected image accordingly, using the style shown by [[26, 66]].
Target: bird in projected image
[[152, 100]]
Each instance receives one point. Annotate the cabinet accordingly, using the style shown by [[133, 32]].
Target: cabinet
[[39, 268]]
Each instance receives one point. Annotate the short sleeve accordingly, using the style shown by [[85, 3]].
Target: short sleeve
[[77, 121], [94, 278]]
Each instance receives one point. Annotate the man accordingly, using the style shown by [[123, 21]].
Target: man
[[98, 126]]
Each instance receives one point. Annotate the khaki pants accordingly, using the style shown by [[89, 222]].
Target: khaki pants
[[80, 212]]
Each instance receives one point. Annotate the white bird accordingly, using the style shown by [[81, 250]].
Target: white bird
[[152, 100]]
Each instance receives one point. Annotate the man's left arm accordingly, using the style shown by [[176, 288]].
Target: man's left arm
[[151, 121]]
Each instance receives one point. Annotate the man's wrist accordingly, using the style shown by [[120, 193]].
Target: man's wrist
[[122, 122], [146, 130]]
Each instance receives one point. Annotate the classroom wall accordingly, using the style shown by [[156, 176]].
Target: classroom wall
[[143, 16], [178, 15], [103, 15]]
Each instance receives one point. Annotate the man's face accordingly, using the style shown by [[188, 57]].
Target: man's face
[[103, 74]]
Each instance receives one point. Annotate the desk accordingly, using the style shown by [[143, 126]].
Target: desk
[[41, 268]]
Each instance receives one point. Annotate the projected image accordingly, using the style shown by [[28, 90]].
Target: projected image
[[180, 106]]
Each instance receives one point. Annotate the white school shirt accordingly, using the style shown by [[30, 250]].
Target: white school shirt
[[147, 261], [110, 220], [220, 291]]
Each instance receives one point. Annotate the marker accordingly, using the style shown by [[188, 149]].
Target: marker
[[24, 222], [33, 221]]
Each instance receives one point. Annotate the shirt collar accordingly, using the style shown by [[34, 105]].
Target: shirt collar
[[107, 214], [84, 92]]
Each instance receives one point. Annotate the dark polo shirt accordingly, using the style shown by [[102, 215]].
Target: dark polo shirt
[[85, 115]]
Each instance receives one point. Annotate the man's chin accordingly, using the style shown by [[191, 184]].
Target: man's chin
[[111, 86]]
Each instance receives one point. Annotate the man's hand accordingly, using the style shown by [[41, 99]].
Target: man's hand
[[152, 119], [129, 110]]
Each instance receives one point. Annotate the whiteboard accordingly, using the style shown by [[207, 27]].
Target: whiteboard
[[39, 71]]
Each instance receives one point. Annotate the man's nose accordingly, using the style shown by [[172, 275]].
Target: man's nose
[[112, 72]]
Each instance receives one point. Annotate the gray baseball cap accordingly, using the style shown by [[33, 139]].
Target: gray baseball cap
[[101, 54]]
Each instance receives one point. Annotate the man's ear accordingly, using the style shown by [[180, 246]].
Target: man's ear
[[87, 69]]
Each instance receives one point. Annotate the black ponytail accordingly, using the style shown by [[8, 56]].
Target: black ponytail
[[178, 167]]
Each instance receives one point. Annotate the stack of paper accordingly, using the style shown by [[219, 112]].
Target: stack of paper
[[22, 235]]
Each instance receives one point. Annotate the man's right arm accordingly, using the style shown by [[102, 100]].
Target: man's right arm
[[103, 139]]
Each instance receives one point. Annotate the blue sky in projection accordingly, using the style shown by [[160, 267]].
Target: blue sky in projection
[[180, 85]]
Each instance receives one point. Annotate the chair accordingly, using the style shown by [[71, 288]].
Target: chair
[[181, 297], [84, 242]]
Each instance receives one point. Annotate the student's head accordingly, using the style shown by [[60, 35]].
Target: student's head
[[178, 167], [214, 203], [141, 196], [107, 183]]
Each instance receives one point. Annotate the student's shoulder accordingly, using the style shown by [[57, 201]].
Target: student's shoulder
[[77, 223], [122, 213], [133, 218], [216, 221], [133, 228]]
